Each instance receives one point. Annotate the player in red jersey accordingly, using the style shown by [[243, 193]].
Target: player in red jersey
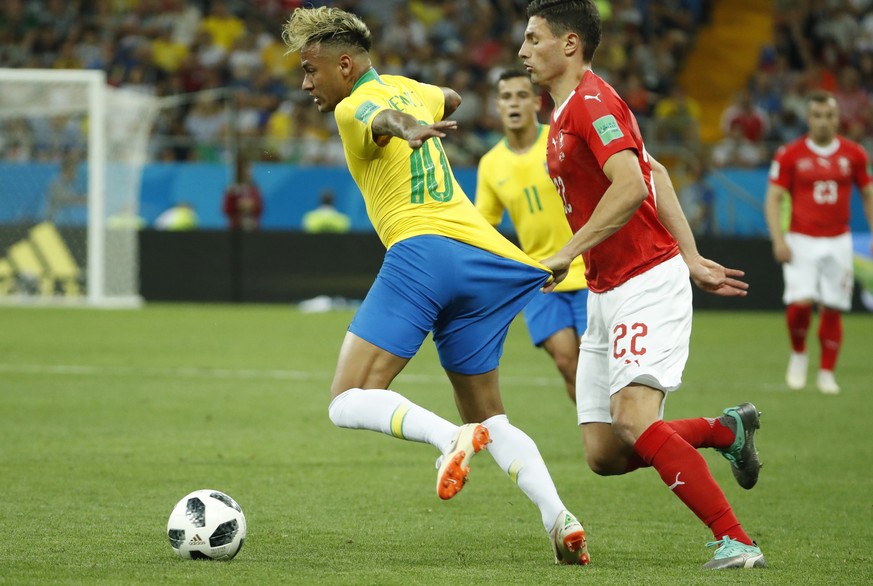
[[817, 172], [639, 309], [243, 204]]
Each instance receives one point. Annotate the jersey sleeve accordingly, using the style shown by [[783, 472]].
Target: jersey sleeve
[[434, 100], [354, 120], [487, 201], [603, 124], [781, 169]]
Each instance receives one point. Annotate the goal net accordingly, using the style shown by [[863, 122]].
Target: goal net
[[71, 156]]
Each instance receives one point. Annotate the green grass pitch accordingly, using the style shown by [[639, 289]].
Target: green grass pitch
[[107, 418]]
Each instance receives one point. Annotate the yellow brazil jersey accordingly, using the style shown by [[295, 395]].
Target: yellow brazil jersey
[[520, 184], [410, 192]]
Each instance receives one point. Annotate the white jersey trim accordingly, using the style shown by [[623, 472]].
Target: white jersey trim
[[823, 151], [558, 110]]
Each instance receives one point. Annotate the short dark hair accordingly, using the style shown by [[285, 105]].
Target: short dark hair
[[512, 74], [819, 97], [578, 16]]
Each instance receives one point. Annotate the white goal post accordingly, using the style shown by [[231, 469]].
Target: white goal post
[[72, 150]]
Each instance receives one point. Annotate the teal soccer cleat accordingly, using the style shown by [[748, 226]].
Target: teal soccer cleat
[[732, 554], [745, 420]]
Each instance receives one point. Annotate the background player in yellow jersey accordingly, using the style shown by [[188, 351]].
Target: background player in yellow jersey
[[446, 271], [513, 177]]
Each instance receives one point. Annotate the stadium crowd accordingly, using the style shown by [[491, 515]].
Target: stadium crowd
[[181, 47], [817, 45]]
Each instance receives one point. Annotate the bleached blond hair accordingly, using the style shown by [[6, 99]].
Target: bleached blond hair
[[325, 25]]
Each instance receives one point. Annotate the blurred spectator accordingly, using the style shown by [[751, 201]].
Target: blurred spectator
[[677, 119], [743, 113], [326, 218], [67, 196], [16, 140], [788, 126], [243, 204], [56, 136], [222, 25], [244, 60], [19, 21], [140, 79], [403, 31], [185, 17], [852, 99], [168, 53], [765, 94], [639, 99], [697, 199], [279, 130], [67, 57], [206, 122], [736, 150], [209, 52]]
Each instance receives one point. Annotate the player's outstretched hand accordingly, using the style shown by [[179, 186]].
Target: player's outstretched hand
[[417, 135], [560, 267], [716, 279]]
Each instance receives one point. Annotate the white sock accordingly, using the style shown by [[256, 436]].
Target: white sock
[[392, 414], [517, 455]]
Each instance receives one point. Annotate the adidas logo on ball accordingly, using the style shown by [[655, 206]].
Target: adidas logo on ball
[[196, 541]]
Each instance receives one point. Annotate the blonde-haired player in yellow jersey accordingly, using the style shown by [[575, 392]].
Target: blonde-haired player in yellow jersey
[[513, 177], [446, 271]]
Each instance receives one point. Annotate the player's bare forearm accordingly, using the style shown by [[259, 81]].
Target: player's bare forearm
[[626, 193], [867, 200], [706, 274], [559, 264], [391, 123], [614, 210], [617, 206], [773, 216], [670, 211]]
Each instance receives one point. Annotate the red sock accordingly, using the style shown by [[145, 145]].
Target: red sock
[[703, 432], [830, 335], [685, 472], [798, 317], [700, 432]]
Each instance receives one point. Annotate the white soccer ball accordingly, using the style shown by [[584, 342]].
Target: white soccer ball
[[207, 525]]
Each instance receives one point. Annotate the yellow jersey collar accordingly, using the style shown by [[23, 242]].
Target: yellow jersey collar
[[370, 75]]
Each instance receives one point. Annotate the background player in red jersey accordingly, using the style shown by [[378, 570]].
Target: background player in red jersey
[[817, 172], [639, 325], [243, 204]]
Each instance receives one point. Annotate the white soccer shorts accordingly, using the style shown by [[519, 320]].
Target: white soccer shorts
[[638, 332], [820, 270]]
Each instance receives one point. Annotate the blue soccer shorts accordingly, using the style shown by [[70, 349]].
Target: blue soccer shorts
[[549, 313], [466, 296]]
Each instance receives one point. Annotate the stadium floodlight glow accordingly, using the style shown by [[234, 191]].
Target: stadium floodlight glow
[[74, 111]]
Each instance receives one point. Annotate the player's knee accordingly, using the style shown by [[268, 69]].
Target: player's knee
[[336, 410], [625, 430], [605, 465]]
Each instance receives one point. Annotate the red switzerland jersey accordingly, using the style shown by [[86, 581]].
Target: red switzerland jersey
[[819, 181], [591, 126]]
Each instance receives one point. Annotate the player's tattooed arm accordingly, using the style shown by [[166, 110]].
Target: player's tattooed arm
[[391, 123]]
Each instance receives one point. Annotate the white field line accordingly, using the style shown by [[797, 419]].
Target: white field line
[[227, 373]]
